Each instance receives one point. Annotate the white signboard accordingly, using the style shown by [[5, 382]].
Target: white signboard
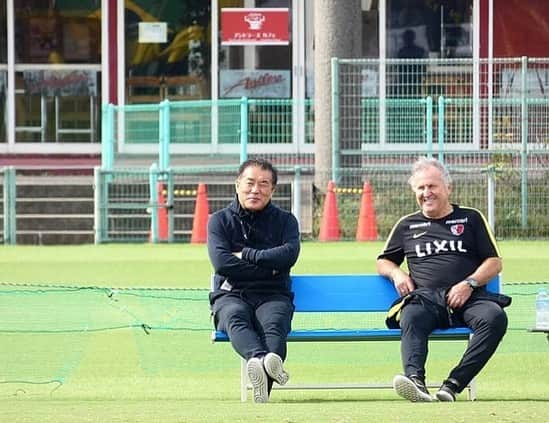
[[153, 32], [255, 83]]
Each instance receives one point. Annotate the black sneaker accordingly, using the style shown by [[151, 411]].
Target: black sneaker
[[411, 388], [448, 391]]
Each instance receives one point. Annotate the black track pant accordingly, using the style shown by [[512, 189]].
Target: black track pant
[[487, 320], [255, 324]]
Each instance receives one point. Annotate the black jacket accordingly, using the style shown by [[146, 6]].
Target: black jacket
[[269, 242]]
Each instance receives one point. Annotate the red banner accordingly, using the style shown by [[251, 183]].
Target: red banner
[[258, 26]]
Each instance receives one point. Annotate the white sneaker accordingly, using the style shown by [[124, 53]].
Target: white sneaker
[[258, 379], [274, 366], [411, 388]]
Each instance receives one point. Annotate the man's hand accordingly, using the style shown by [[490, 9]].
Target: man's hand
[[238, 254], [458, 295], [403, 283]]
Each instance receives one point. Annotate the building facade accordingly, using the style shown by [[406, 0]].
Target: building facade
[[60, 60]]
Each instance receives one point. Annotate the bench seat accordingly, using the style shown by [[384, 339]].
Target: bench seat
[[335, 335]]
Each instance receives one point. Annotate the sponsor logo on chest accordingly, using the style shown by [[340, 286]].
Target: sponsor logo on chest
[[456, 227], [438, 247]]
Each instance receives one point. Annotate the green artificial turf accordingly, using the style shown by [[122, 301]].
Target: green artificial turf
[[127, 375]]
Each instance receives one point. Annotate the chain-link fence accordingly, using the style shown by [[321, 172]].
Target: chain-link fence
[[513, 195], [486, 119], [137, 205], [495, 103]]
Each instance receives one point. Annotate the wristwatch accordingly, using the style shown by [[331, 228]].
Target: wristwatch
[[473, 283]]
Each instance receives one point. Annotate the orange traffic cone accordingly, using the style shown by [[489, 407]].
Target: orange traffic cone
[[201, 214], [366, 229], [162, 215], [329, 225]]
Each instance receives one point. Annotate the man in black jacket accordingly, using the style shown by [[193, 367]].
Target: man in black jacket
[[451, 254], [252, 245]]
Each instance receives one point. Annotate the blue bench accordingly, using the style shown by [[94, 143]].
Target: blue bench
[[349, 293]]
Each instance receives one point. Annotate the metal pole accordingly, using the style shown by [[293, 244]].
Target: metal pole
[[97, 205], [153, 201], [244, 129], [429, 124], [214, 76], [491, 197], [169, 205], [441, 129], [335, 120], [10, 220], [296, 203], [164, 135], [524, 145], [12, 207], [107, 137]]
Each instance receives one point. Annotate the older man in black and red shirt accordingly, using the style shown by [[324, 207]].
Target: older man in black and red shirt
[[451, 254]]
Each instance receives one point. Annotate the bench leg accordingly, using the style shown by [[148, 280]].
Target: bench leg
[[243, 381], [472, 390]]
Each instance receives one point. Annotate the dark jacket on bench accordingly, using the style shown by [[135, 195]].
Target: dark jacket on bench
[[269, 242], [436, 299]]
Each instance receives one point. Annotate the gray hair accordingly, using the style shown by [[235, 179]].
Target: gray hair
[[426, 162]]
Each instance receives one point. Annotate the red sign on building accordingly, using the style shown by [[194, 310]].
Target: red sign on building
[[258, 26]]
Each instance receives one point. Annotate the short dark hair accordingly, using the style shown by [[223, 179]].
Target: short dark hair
[[262, 164]]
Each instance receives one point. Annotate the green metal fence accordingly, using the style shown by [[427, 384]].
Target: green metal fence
[[487, 120], [513, 196], [485, 104], [226, 129], [140, 205]]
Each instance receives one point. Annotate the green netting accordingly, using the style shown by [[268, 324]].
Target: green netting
[[48, 331], [57, 309]]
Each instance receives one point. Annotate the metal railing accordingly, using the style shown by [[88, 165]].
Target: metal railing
[[226, 128]]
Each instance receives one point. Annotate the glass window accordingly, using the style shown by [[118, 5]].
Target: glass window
[[57, 106], [54, 104], [167, 50], [57, 32], [3, 34], [427, 28]]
